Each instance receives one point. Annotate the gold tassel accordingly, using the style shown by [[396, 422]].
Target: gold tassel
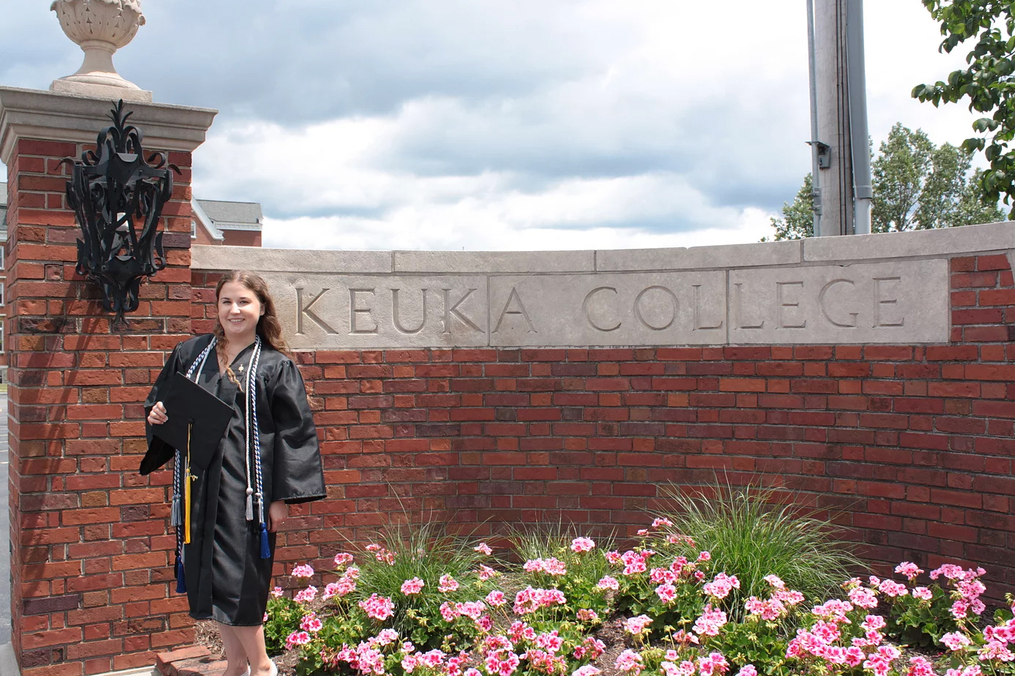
[[186, 489]]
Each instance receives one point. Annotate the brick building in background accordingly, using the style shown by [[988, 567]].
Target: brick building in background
[[226, 223]]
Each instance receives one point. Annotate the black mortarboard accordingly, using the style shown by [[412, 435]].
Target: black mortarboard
[[186, 403]]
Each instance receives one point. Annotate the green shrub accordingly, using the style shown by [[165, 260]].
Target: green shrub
[[750, 535], [284, 616]]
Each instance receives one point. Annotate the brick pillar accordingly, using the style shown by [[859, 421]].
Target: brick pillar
[[89, 537]]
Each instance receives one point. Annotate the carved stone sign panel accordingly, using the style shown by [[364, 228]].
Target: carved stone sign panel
[[885, 302], [893, 302], [366, 311], [665, 308]]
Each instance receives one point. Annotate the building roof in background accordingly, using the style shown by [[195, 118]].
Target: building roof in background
[[199, 216], [232, 215]]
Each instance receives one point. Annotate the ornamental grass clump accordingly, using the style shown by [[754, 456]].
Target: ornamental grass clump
[[750, 535]]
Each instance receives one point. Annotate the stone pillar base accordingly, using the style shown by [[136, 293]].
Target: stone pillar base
[[99, 91]]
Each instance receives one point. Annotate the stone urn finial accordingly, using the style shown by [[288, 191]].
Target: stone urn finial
[[99, 27]]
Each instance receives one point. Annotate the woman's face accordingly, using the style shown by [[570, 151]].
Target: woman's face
[[238, 311]]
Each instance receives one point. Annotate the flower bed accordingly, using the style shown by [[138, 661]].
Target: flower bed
[[444, 609]]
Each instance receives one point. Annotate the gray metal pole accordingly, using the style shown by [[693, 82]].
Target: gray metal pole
[[816, 145], [833, 122], [858, 133]]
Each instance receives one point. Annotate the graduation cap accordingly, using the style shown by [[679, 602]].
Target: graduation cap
[[197, 421]]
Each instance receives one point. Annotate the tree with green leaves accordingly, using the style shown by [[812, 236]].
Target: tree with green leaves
[[797, 219], [917, 186], [986, 82]]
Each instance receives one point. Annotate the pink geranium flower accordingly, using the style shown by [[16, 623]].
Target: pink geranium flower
[[310, 623], [297, 638], [608, 583], [413, 586], [709, 622], [307, 595], [629, 661], [303, 571], [910, 570], [637, 625], [378, 607]]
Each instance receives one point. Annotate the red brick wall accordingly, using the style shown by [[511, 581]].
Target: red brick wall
[[241, 238], [915, 443], [202, 236], [91, 548]]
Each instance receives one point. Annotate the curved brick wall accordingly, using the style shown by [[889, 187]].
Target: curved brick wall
[[913, 441]]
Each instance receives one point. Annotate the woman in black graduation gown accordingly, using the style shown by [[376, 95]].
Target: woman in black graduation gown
[[239, 491]]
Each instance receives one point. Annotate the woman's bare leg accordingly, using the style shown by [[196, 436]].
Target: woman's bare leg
[[236, 654], [252, 639]]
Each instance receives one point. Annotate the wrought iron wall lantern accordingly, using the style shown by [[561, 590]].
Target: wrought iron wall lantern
[[113, 191]]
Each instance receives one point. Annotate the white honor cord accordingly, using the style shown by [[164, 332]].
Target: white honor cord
[[251, 415], [253, 437]]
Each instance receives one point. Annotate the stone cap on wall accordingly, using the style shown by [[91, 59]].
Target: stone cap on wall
[[886, 288], [32, 113], [966, 240]]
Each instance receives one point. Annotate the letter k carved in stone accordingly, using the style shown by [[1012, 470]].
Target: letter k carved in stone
[[306, 311]]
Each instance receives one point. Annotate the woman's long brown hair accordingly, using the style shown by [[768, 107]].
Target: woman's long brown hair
[[268, 326]]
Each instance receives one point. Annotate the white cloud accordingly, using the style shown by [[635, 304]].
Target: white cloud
[[575, 214], [508, 124]]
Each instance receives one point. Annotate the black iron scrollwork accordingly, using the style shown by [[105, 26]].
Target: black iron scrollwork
[[113, 190]]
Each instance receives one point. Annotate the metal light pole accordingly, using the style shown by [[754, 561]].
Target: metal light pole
[[839, 136]]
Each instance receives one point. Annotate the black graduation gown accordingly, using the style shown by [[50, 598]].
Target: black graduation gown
[[226, 578]]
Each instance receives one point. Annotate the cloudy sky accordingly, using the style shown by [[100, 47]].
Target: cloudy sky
[[499, 124]]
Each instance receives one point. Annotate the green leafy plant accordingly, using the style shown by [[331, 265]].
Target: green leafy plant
[[750, 534], [284, 617], [447, 569], [922, 622], [924, 615], [640, 574], [558, 558]]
